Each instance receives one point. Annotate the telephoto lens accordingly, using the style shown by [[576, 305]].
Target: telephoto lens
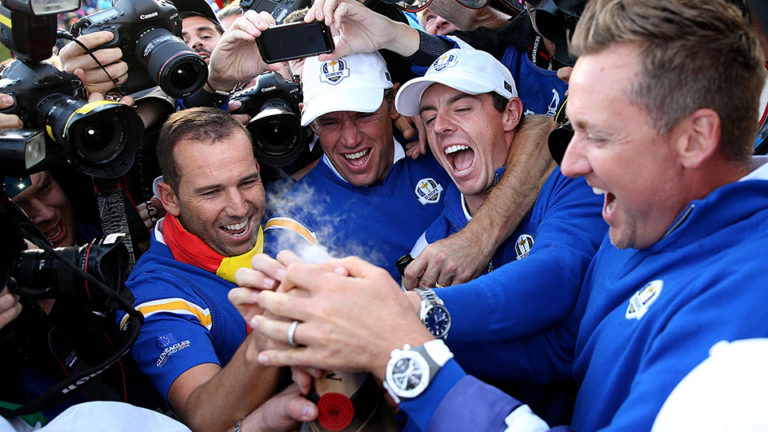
[[99, 138], [177, 69], [148, 34], [40, 275]]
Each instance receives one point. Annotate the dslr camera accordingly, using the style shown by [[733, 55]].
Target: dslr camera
[[147, 32], [98, 138], [276, 131]]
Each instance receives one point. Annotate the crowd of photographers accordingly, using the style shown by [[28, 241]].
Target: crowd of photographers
[[163, 138]]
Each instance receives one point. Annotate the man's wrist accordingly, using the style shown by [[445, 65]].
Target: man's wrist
[[417, 335], [410, 370]]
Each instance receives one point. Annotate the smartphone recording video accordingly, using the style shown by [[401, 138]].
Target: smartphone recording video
[[295, 40]]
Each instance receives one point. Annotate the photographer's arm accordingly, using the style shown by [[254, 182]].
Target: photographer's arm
[[465, 255], [75, 60], [210, 398]]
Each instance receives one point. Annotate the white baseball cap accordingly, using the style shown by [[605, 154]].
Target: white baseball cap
[[467, 70], [355, 82]]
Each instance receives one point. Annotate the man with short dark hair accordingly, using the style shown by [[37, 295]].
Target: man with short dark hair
[[200, 27], [194, 345]]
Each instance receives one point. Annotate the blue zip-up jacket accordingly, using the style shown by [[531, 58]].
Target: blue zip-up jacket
[[644, 319]]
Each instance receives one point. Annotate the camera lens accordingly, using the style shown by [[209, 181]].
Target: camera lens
[[94, 138], [99, 138], [40, 274], [278, 137], [184, 76], [177, 69], [39, 269], [275, 133]]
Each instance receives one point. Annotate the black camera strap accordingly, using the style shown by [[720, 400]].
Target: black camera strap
[[127, 336], [114, 217], [65, 388]]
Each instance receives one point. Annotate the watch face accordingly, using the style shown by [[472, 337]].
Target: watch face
[[408, 375], [438, 321]]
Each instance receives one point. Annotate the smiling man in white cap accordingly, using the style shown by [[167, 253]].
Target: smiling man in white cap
[[364, 197]]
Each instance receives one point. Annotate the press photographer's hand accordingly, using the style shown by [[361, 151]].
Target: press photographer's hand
[[8, 121], [75, 60], [10, 308]]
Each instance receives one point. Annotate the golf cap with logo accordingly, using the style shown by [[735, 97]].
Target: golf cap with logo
[[198, 7], [466, 70], [355, 82]]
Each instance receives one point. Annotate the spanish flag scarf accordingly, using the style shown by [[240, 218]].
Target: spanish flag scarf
[[189, 249]]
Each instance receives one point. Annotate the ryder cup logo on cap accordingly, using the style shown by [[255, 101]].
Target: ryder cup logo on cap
[[334, 71], [355, 82], [444, 61], [466, 70]]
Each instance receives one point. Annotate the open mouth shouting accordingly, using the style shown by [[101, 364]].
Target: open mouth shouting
[[461, 158], [609, 202], [357, 159]]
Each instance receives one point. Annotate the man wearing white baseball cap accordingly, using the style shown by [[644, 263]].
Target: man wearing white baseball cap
[[470, 109], [364, 197]]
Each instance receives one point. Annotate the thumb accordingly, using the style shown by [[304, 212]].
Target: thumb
[[301, 409]]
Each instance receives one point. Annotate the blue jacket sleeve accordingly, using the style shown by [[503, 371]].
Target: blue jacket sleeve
[[530, 294], [458, 402]]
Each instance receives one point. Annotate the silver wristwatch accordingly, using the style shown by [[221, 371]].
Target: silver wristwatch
[[433, 313], [410, 370]]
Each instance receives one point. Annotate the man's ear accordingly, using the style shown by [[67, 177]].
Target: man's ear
[[697, 137], [393, 113], [168, 198], [512, 114]]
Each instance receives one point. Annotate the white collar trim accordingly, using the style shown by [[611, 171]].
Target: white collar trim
[[759, 169]]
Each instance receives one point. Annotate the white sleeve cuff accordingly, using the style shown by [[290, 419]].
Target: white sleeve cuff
[[522, 419]]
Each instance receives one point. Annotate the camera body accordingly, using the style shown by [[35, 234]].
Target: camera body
[[276, 131], [148, 33], [39, 275], [98, 138]]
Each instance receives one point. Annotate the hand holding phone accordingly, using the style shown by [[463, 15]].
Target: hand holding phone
[[295, 40]]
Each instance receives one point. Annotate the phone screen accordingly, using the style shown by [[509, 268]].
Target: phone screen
[[294, 40]]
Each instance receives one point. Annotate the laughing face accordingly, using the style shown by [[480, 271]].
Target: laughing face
[[49, 208], [468, 136], [220, 197], [359, 145], [619, 152]]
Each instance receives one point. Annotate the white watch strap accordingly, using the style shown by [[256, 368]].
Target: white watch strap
[[438, 350]]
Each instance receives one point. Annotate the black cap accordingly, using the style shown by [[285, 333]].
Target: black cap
[[198, 7], [473, 4]]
